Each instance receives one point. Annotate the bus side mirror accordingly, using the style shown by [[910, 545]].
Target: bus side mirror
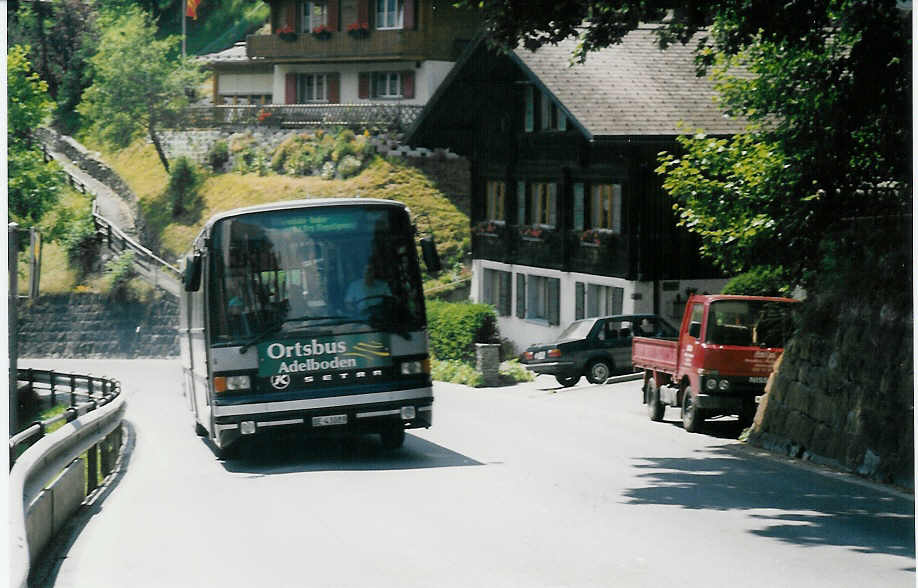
[[191, 277], [431, 257]]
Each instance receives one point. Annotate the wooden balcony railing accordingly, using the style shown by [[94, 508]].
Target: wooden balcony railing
[[342, 46]]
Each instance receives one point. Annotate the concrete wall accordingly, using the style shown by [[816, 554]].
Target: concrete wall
[[844, 396], [93, 326]]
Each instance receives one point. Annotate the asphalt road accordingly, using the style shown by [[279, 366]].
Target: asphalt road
[[524, 486]]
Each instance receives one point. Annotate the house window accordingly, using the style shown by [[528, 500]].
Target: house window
[[543, 300], [495, 196], [605, 207], [390, 14], [315, 14], [495, 290], [387, 84], [543, 202], [540, 111], [312, 88], [603, 300], [551, 117]]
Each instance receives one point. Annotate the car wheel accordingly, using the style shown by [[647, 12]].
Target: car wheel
[[567, 381], [692, 417], [599, 371], [655, 408]]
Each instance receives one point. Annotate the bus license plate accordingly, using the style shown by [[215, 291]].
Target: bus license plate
[[332, 419]]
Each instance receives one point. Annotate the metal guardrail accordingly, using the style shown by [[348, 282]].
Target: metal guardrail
[[92, 427], [117, 241]]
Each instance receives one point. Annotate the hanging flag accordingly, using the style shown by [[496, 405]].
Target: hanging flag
[[191, 8]]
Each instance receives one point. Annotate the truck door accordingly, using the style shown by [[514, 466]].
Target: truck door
[[691, 337]]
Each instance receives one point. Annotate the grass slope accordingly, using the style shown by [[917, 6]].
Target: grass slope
[[383, 178]]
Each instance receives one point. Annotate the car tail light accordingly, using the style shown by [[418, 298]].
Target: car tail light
[[527, 355], [554, 353]]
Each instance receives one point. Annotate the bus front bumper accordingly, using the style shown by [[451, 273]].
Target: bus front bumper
[[362, 413]]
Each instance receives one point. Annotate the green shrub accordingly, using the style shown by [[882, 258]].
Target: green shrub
[[120, 271], [455, 327], [349, 166], [760, 281], [80, 242], [455, 371], [182, 189], [512, 372], [218, 155]]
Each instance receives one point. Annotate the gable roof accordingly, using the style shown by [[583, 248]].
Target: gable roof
[[630, 89]]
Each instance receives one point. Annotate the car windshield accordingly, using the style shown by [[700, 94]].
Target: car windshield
[[760, 323], [577, 330], [314, 267]]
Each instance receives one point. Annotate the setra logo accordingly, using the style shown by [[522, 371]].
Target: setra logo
[[280, 381]]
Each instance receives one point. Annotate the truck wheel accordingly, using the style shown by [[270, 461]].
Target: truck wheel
[[392, 438], [692, 418], [598, 372], [567, 381], [655, 408], [747, 413]]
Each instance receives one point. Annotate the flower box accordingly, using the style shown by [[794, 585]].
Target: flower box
[[322, 33], [358, 30], [286, 33]]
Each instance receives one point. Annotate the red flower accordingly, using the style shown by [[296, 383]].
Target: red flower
[[284, 30]]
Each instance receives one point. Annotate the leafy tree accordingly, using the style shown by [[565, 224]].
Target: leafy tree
[[829, 106], [136, 86], [34, 185], [62, 35]]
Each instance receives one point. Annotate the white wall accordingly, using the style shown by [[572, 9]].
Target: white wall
[[524, 332], [427, 78], [236, 83]]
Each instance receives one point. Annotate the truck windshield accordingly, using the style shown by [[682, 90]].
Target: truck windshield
[[335, 268], [760, 323]]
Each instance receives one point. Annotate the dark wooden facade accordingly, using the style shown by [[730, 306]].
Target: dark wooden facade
[[479, 112], [433, 29]]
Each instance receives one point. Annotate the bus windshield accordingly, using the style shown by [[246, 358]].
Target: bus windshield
[[334, 268], [760, 323]]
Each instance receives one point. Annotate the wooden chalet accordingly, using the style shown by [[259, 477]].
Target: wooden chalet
[[568, 218], [345, 52]]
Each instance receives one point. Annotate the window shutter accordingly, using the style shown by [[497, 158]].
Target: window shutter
[[503, 308], [333, 15], [553, 204], [562, 121], [290, 14], [554, 301], [578, 301], [529, 109], [363, 11], [617, 208], [407, 84], [578, 206], [290, 88], [363, 85], [521, 203], [334, 88], [409, 20], [521, 295], [618, 299]]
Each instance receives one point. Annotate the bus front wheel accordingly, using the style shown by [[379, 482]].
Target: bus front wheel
[[392, 438]]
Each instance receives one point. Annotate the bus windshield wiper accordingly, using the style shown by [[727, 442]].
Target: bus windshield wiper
[[273, 328]]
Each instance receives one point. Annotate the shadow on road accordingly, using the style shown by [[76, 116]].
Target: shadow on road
[[300, 453], [794, 505]]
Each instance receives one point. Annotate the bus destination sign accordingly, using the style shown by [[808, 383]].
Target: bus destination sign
[[324, 354]]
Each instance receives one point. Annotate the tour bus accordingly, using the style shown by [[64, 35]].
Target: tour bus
[[310, 315]]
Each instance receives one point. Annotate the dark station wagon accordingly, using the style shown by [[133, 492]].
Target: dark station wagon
[[596, 347]]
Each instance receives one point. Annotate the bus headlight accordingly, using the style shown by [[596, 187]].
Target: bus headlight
[[413, 368], [234, 383]]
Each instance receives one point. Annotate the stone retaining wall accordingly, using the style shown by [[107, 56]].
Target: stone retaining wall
[[845, 397], [94, 326]]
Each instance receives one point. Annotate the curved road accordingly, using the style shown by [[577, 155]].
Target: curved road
[[529, 486]]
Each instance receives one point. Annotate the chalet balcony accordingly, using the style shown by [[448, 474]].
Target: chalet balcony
[[592, 252], [372, 45]]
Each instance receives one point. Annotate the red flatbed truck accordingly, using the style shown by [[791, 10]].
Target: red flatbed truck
[[721, 361]]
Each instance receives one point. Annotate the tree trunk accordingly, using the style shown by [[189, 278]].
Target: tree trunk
[[159, 148]]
